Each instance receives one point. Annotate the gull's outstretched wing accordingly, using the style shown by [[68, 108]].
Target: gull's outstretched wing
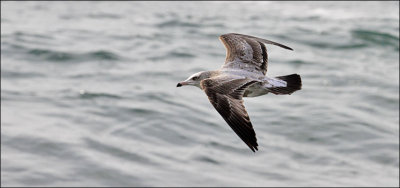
[[226, 96], [247, 52]]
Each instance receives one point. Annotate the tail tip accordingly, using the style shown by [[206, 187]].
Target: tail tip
[[293, 83]]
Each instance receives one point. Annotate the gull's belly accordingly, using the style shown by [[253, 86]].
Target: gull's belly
[[255, 90]]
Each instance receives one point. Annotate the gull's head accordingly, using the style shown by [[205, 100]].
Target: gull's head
[[194, 80]]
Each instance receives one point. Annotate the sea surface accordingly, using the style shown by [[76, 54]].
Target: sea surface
[[89, 97]]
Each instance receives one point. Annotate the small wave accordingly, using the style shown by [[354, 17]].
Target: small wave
[[181, 54], [116, 151], [67, 17], [171, 54], [375, 37], [103, 55], [176, 23], [299, 62], [29, 38], [327, 40], [39, 146], [19, 45], [91, 95], [141, 111], [58, 56], [141, 37], [329, 45], [31, 35], [154, 74], [51, 55], [347, 46], [104, 16], [20, 74], [90, 16], [207, 160]]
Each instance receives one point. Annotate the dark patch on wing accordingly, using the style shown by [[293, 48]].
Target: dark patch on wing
[[226, 98], [264, 64]]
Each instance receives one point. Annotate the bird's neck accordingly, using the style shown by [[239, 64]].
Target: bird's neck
[[211, 73]]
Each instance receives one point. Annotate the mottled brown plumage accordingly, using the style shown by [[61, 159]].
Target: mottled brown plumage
[[226, 97], [242, 75], [249, 50]]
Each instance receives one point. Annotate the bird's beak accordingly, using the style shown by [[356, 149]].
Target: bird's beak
[[180, 84]]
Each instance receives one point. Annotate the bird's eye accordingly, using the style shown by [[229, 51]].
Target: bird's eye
[[195, 78]]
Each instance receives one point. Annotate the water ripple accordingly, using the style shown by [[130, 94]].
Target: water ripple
[[377, 38], [88, 95], [40, 54]]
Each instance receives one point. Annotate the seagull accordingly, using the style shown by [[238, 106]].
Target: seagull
[[242, 75]]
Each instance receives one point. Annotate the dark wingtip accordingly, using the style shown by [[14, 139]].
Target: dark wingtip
[[179, 85], [283, 46], [253, 147], [265, 41]]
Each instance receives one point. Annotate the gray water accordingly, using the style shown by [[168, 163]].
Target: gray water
[[88, 95]]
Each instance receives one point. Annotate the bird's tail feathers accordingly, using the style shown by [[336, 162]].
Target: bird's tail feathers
[[293, 83]]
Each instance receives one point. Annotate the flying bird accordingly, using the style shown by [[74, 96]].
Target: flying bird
[[242, 75]]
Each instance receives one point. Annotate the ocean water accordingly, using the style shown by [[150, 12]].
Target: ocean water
[[89, 97]]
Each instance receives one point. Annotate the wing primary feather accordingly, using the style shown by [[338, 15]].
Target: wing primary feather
[[265, 41], [226, 97]]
